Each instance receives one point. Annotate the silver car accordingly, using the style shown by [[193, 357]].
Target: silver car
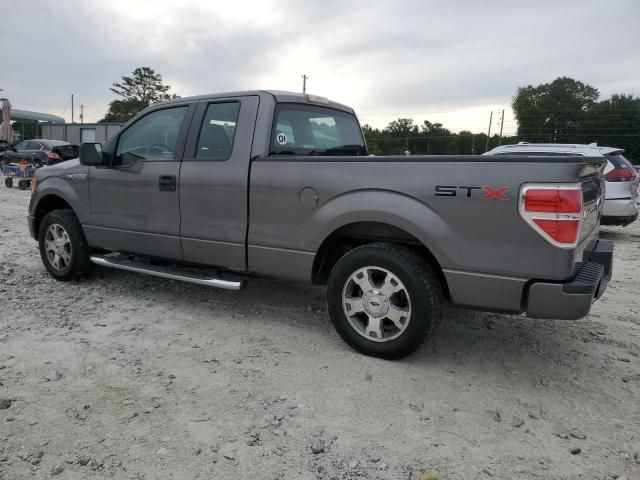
[[621, 198]]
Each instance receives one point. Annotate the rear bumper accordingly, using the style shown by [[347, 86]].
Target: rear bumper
[[620, 207], [572, 300], [621, 220]]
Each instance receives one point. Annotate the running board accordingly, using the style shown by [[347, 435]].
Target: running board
[[170, 272]]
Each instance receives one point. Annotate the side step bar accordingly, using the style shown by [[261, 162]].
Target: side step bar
[[170, 272]]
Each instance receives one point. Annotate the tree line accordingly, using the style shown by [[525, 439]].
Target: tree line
[[562, 111]]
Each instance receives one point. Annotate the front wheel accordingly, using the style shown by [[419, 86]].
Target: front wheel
[[8, 182], [63, 248], [384, 300]]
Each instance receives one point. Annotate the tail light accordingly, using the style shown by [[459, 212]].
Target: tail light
[[621, 173], [553, 211], [52, 155]]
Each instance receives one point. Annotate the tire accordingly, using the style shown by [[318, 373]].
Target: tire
[[396, 316], [71, 248], [8, 182], [22, 184]]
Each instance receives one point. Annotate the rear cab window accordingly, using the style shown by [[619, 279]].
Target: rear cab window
[[305, 130]]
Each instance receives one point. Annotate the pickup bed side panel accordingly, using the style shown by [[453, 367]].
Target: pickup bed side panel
[[467, 234]]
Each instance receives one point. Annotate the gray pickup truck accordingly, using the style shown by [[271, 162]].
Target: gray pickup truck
[[216, 188]]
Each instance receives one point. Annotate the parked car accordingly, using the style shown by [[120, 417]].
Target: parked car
[[279, 184], [39, 152], [621, 200]]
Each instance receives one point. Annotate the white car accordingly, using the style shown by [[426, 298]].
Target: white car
[[621, 196]]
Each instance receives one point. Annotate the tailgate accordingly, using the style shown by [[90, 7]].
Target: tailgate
[[593, 192]]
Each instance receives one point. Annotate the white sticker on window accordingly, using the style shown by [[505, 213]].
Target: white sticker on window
[[282, 139]]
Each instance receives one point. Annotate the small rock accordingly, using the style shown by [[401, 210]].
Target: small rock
[[577, 434], [88, 368], [229, 452], [83, 460], [5, 403], [517, 422], [575, 451], [317, 446], [57, 470], [353, 465], [53, 376], [383, 466], [162, 452], [488, 471]]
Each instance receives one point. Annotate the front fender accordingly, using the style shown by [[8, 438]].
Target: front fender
[[76, 195]]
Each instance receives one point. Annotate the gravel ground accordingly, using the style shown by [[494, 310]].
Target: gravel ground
[[133, 377]]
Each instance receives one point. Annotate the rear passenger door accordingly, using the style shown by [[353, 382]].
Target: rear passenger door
[[214, 180]]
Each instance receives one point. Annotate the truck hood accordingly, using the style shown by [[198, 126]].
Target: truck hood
[[63, 168]]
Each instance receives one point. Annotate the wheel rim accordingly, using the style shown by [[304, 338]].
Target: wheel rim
[[57, 246], [376, 303]]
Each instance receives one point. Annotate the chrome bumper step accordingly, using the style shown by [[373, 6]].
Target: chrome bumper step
[[171, 272]]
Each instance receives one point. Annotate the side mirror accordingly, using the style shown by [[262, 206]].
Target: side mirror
[[91, 154]]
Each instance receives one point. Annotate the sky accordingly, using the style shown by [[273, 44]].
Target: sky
[[446, 61]]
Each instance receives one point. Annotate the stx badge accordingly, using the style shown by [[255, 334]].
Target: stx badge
[[498, 193]]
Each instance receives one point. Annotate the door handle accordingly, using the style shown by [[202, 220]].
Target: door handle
[[167, 183]]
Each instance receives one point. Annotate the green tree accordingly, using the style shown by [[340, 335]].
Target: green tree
[[553, 111], [615, 123], [121, 111], [137, 92]]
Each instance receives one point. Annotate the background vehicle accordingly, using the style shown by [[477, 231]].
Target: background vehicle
[[279, 184], [39, 152], [621, 198]]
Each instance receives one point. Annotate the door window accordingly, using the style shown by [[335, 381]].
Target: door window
[[153, 137], [218, 131], [22, 145], [33, 146]]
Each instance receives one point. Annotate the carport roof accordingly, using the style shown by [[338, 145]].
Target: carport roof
[[40, 117]]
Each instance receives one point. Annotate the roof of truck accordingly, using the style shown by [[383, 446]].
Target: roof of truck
[[280, 96]]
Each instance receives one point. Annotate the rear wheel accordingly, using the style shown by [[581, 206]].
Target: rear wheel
[[22, 184], [384, 300], [8, 182], [63, 248]]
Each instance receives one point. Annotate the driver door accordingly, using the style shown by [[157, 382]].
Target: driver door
[[135, 205]]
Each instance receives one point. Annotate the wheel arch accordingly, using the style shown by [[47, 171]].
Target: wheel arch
[[355, 234], [48, 203]]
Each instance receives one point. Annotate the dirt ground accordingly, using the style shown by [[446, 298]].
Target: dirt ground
[[133, 377]]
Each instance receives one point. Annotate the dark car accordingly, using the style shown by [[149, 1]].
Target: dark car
[[39, 152]]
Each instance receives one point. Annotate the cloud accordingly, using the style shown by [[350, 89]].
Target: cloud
[[449, 61]]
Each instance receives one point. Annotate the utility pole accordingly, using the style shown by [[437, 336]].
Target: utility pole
[[72, 108], [81, 113], [473, 143], [304, 83], [486, 148], [501, 124]]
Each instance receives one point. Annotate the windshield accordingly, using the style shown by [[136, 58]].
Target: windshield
[[310, 130]]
